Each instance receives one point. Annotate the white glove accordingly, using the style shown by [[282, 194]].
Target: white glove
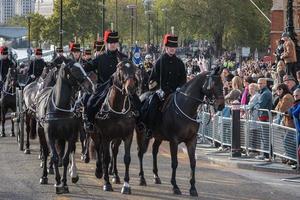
[[32, 76], [160, 93]]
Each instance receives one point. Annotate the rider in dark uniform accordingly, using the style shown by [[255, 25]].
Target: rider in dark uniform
[[36, 65], [75, 54], [167, 75], [5, 64], [60, 58], [99, 48], [105, 65], [86, 59]]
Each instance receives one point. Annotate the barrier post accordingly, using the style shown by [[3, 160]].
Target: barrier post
[[236, 130]]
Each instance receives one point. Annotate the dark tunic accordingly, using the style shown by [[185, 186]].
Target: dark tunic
[[5, 64], [59, 60], [36, 67], [173, 73], [106, 65]]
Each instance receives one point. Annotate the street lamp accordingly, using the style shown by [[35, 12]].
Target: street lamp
[[131, 7], [148, 12], [165, 10], [29, 52], [290, 22], [116, 13], [102, 5], [61, 25]]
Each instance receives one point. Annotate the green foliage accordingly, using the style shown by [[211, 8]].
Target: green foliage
[[229, 23]]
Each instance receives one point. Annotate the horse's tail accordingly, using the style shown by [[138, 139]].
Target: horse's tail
[[32, 128]]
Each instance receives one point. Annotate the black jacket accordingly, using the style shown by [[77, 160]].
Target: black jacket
[[59, 60], [173, 73], [105, 65], [5, 64], [36, 67]]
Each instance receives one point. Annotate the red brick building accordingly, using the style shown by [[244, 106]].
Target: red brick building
[[278, 18]]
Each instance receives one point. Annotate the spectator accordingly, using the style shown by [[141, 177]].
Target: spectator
[[298, 76], [253, 101], [236, 91], [281, 69], [290, 82], [264, 102], [246, 96], [286, 101], [289, 55]]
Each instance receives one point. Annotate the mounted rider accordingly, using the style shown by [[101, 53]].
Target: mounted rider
[[75, 54], [36, 65], [99, 48], [5, 64], [104, 65], [167, 75], [60, 58], [148, 63]]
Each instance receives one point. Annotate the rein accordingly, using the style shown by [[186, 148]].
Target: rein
[[207, 101], [72, 109], [110, 109]]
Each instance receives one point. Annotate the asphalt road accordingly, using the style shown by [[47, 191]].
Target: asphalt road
[[19, 179]]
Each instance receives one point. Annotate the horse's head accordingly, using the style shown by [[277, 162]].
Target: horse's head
[[126, 78], [78, 77], [213, 89]]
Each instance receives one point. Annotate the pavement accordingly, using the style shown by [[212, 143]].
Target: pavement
[[223, 158]]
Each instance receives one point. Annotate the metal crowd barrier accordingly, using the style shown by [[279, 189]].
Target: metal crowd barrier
[[265, 137]]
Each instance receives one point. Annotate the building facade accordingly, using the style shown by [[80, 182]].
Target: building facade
[[7, 10], [44, 7], [278, 18], [24, 7]]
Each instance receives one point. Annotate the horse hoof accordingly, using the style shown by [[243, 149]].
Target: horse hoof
[[44, 181], [27, 151], [50, 170], [40, 157], [41, 165], [3, 135], [116, 180], [126, 190], [193, 192], [60, 190], [12, 135], [157, 180], [143, 182], [98, 174], [75, 179], [65, 189], [107, 188], [176, 191], [86, 159]]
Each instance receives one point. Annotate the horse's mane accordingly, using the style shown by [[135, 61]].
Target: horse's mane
[[201, 76]]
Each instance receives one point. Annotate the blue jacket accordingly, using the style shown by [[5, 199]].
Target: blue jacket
[[295, 113], [265, 101]]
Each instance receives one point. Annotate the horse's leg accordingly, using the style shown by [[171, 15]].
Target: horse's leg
[[12, 127], [115, 150], [127, 159], [142, 148], [29, 123], [173, 150], [82, 137], [86, 146], [73, 168], [99, 160], [65, 161], [3, 112], [43, 143], [191, 147], [106, 158], [155, 148], [62, 145], [54, 157]]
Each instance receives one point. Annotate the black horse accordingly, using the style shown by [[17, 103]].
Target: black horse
[[57, 119], [116, 120], [179, 123], [8, 98]]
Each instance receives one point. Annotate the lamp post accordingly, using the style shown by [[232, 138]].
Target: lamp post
[[61, 25], [290, 21], [136, 21], [29, 52], [131, 7], [148, 12], [165, 10], [103, 17], [116, 13]]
